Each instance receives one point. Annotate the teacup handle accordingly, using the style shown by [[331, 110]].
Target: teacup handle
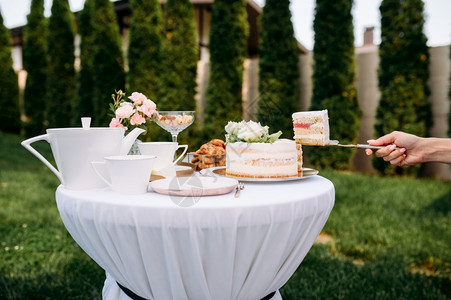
[[181, 155], [43, 137], [95, 165]]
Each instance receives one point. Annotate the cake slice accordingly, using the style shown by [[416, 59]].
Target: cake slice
[[311, 127]]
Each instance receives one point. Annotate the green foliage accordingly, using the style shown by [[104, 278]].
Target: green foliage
[[333, 78], [145, 55], [403, 74], [145, 52], [9, 86], [278, 68], [228, 49], [108, 73], [178, 78], [35, 62], [61, 71], [84, 100], [179, 66]]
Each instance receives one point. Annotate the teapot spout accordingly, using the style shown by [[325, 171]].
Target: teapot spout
[[129, 139]]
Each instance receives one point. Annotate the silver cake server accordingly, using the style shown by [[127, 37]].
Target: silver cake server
[[358, 146]]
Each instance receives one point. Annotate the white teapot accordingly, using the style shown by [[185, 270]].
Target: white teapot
[[75, 148]]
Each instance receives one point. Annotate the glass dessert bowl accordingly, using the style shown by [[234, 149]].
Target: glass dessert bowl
[[174, 121]]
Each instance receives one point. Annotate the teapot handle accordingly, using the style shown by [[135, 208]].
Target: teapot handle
[[43, 137]]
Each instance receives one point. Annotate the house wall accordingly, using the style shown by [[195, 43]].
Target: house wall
[[367, 63], [439, 84]]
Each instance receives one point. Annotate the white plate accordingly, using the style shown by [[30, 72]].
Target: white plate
[[195, 186], [221, 172]]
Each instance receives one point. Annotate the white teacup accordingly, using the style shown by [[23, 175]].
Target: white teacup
[[125, 174], [164, 151]]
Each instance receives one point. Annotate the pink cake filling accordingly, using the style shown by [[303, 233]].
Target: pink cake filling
[[302, 125]]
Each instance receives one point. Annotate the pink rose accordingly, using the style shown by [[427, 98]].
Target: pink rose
[[148, 108], [137, 98], [116, 123], [137, 119], [124, 111]]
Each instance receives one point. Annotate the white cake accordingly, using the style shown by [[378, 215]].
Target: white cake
[[263, 160], [311, 127]]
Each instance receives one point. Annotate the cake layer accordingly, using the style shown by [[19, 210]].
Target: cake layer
[[317, 128], [262, 160]]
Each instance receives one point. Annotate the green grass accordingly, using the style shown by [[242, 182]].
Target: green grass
[[387, 238]]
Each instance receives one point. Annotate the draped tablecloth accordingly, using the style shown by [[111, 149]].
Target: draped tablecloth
[[221, 247]]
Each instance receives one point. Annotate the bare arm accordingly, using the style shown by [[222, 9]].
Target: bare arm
[[411, 149]]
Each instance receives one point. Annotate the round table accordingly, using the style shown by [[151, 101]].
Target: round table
[[221, 247]]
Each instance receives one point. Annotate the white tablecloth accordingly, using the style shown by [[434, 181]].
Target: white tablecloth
[[220, 248]]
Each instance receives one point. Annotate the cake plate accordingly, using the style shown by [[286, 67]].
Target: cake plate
[[221, 171]]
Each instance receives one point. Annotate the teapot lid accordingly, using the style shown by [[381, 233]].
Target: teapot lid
[[85, 122]]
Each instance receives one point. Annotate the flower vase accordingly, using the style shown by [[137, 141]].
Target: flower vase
[[134, 150]]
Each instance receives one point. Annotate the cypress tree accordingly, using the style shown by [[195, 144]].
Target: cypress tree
[[108, 73], [61, 71], [84, 99], [35, 63], [333, 76], [145, 52], [278, 68], [9, 89], [403, 75], [228, 49], [180, 58], [179, 67]]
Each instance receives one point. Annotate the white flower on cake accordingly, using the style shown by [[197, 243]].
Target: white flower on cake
[[249, 132]]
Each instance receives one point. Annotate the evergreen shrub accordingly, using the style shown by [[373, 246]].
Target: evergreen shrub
[[278, 68], [403, 75], [178, 78], [177, 88], [61, 70], [145, 51], [35, 62], [333, 78], [228, 49], [145, 55], [84, 99], [108, 73], [9, 89]]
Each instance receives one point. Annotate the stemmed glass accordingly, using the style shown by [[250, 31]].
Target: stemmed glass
[[174, 121]]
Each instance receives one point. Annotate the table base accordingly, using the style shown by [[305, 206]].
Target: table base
[[113, 291], [132, 295]]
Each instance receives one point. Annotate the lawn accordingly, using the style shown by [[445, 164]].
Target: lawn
[[386, 238]]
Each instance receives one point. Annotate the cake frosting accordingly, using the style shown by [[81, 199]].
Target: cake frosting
[[263, 160], [311, 127]]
